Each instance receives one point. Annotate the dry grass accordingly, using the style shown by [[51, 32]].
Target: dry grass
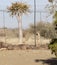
[[29, 41]]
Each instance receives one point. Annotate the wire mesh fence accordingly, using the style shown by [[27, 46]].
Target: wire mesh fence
[[9, 24]]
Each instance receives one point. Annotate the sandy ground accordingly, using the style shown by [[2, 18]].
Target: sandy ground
[[25, 57]]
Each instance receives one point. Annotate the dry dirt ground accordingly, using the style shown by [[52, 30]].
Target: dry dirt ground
[[27, 57]]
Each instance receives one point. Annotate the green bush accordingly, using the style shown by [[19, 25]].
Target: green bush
[[53, 46]]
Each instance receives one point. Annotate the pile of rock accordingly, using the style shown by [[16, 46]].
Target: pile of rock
[[21, 46]]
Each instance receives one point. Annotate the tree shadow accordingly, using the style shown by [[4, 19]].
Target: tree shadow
[[52, 61]]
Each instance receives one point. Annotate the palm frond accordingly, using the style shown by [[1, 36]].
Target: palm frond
[[18, 8]]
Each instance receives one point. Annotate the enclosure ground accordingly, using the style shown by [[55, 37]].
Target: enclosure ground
[[27, 57]]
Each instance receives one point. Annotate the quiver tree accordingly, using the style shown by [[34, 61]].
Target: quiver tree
[[18, 9]]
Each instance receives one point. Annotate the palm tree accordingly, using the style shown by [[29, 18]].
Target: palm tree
[[18, 9]]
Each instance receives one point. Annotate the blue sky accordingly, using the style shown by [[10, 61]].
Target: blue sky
[[27, 19]]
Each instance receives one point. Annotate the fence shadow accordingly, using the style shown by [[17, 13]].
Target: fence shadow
[[52, 61]]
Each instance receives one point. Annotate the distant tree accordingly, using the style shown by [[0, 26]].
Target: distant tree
[[18, 9], [52, 7], [45, 29], [51, 1]]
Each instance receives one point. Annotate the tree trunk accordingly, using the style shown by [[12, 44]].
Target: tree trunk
[[19, 18]]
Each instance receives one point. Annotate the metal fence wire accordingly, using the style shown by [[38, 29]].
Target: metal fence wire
[[10, 22], [32, 18]]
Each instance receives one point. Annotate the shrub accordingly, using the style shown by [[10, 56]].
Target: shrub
[[53, 46]]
